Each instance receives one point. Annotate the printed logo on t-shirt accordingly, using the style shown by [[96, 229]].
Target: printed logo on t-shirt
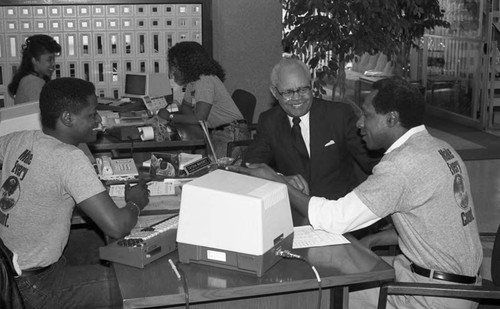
[[11, 188], [461, 195], [10, 193], [459, 190]]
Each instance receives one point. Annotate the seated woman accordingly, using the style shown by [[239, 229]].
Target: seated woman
[[206, 97], [37, 65]]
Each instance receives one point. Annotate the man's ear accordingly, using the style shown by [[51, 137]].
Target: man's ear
[[273, 91], [67, 118], [392, 118]]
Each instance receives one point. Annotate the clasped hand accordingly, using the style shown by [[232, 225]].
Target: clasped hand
[[262, 170], [138, 194]]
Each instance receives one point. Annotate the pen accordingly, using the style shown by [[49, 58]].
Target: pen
[[174, 269]]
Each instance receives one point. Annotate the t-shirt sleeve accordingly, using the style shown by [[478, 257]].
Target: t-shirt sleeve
[[30, 90], [205, 90], [81, 181], [382, 191]]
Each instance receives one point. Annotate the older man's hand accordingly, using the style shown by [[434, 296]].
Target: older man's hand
[[259, 170], [262, 170], [298, 182]]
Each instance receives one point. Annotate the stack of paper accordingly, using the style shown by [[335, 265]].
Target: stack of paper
[[306, 237]]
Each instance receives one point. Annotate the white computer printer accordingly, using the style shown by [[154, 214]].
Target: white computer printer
[[234, 221]]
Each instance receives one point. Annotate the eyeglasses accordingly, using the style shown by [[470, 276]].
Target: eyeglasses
[[288, 94]]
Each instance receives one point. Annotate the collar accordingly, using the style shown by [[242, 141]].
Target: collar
[[304, 120], [400, 141]]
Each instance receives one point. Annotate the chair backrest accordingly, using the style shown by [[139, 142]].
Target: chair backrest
[[246, 103], [10, 296]]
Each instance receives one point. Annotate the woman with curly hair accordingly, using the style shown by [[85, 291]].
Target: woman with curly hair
[[206, 98], [37, 65]]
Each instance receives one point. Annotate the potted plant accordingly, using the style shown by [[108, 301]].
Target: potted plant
[[334, 32]]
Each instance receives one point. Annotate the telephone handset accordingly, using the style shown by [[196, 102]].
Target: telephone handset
[[116, 169], [104, 166]]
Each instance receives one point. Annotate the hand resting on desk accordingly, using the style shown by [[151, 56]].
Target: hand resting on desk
[[262, 170]]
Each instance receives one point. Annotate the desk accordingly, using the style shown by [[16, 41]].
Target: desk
[[191, 135], [288, 284]]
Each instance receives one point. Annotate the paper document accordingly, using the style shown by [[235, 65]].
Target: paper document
[[160, 202], [306, 237], [166, 187], [188, 158]]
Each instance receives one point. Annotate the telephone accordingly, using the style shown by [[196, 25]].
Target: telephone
[[116, 169], [155, 104]]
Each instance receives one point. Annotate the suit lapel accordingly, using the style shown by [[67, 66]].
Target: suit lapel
[[318, 127]]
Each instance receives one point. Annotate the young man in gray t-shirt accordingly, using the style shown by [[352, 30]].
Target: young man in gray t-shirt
[[421, 182], [44, 175]]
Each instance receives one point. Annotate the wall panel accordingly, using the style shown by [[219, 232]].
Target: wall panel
[[100, 42]]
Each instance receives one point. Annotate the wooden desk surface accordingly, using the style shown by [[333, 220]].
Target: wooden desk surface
[[338, 266], [191, 135]]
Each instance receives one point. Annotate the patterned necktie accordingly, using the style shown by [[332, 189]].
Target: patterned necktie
[[300, 145]]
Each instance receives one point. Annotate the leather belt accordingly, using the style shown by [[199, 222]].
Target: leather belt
[[223, 126], [439, 275], [34, 271]]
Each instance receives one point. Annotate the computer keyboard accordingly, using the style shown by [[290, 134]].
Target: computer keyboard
[[140, 237], [143, 245]]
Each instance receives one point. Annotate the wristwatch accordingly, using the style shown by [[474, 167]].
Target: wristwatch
[[171, 116]]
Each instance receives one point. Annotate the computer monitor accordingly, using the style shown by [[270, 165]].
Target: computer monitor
[[24, 116], [139, 85]]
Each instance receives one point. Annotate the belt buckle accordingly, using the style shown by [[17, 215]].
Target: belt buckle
[[431, 274], [412, 267]]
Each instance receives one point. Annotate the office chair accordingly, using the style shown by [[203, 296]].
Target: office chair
[[489, 290], [246, 103], [10, 297], [232, 146]]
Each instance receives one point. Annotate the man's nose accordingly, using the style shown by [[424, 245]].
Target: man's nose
[[361, 122]]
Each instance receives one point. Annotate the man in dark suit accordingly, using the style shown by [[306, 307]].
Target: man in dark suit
[[334, 146]]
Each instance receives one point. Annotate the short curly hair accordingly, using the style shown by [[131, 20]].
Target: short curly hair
[[63, 94], [396, 94], [193, 61]]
